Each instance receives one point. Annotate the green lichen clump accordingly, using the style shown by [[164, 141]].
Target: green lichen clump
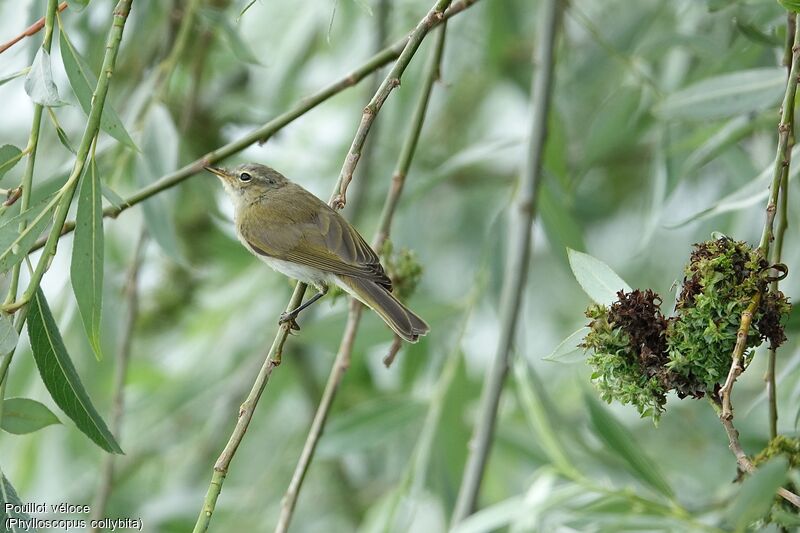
[[628, 344], [638, 355], [721, 279]]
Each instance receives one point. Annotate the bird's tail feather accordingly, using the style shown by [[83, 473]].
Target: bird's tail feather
[[397, 316]]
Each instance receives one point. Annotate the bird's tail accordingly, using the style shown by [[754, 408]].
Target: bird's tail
[[397, 316]]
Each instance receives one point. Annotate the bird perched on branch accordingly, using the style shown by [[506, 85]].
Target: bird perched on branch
[[300, 236]]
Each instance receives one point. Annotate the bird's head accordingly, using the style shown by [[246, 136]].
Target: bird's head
[[249, 181]]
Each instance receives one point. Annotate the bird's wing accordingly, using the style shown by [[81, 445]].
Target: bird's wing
[[303, 229]]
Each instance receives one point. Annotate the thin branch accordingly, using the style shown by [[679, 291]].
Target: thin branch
[[266, 131], [744, 463], [131, 293], [780, 173], [342, 361], [777, 251], [67, 191], [392, 80], [273, 357], [26, 185], [33, 29], [517, 262]]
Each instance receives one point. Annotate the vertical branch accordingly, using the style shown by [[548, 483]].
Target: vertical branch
[[131, 293], [365, 170], [27, 178], [342, 361], [273, 358], [517, 263], [777, 251]]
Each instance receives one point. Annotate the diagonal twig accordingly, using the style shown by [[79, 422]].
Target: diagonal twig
[[33, 29]]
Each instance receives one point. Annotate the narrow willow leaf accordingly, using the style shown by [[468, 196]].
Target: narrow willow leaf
[[62, 135], [791, 5], [754, 192], [622, 442], [14, 246], [159, 156], [596, 278], [8, 334], [78, 5], [82, 81], [9, 496], [111, 195], [86, 268], [23, 415], [60, 377], [234, 40], [9, 156], [728, 95], [568, 350], [18, 74], [729, 134], [757, 494], [39, 82]]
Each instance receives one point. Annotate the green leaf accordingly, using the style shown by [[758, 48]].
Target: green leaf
[[111, 195], [60, 377], [369, 424], [9, 156], [18, 74], [78, 5], [595, 277], [86, 268], [728, 95], [39, 82], [568, 350], [757, 494], [791, 5], [754, 192], [229, 34], [23, 415], [9, 496], [8, 334], [622, 442], [159, 156], [82, 81], [62, 135], [14, 245]]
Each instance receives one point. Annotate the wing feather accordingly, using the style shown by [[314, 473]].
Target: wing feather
[[302, 229]]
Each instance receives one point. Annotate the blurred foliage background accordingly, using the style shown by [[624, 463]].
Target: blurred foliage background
[[661, 111]]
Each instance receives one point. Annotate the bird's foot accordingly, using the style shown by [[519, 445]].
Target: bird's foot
[[290, 320]]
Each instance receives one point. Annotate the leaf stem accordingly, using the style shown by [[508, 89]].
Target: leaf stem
[[517, 263]]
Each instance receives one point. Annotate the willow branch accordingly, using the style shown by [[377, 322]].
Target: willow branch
[[266, 131], [65, 195], [48, 22], [392, 80], [517, 263], [33, 29], [342, 361], [780, 172], [131, 294], [273, 357], [777, 251]]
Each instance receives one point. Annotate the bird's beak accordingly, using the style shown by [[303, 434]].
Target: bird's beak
[[217, 171]]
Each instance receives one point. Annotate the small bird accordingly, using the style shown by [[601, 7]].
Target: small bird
[[300, 236]]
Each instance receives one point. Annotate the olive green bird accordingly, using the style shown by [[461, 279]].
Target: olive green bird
[[300, 236]]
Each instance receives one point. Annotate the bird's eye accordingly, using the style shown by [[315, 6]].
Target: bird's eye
[[244, 176]]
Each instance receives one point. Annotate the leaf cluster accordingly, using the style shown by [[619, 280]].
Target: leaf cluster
[[638, 355]]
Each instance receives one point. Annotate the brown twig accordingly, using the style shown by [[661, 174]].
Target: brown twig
[[30, 30], [392, 80], [342, 362], [781, 169], [394, 349]]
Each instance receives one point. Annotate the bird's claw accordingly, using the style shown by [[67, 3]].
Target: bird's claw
[[290, 320]]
